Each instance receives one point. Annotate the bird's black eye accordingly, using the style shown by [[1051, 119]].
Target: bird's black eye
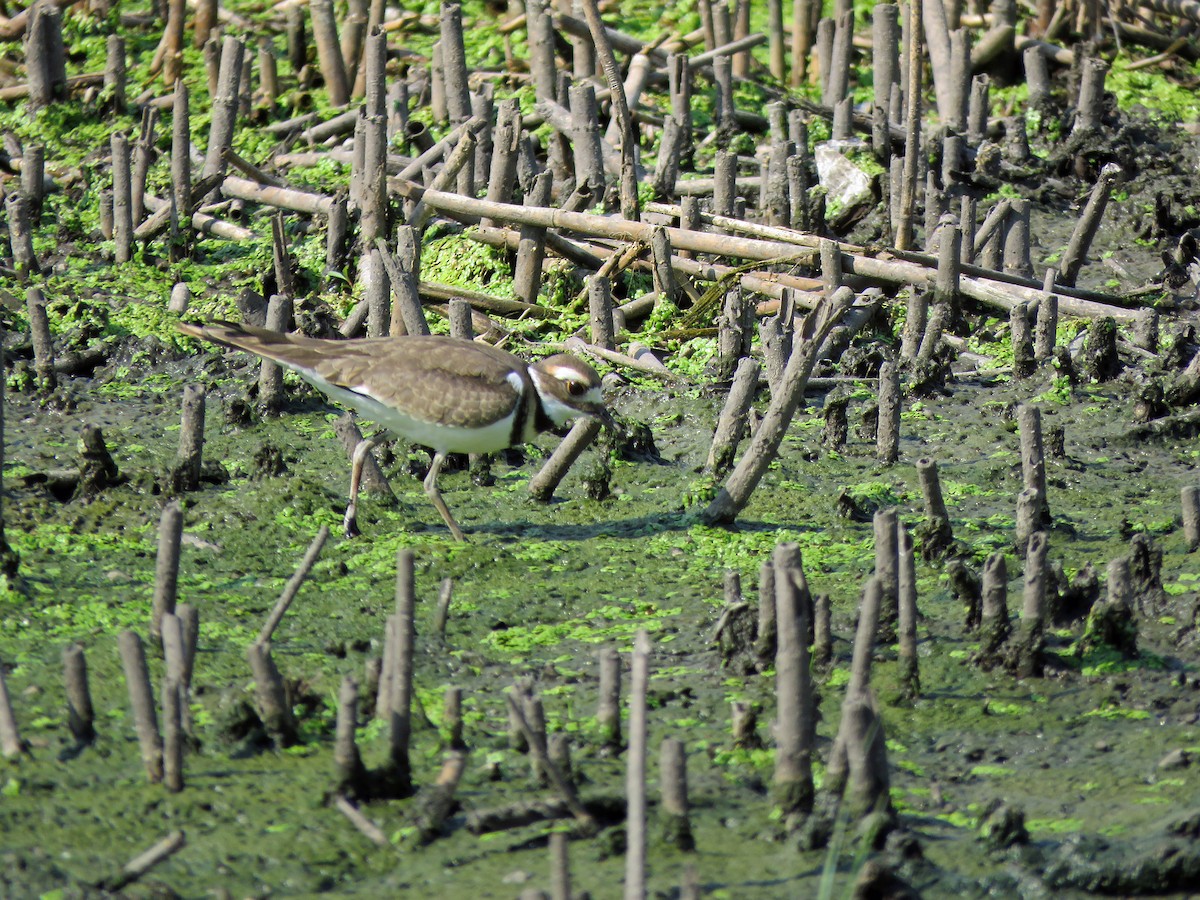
[[576, 389]]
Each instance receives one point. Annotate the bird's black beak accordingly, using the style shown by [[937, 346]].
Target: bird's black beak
[[600, 411]]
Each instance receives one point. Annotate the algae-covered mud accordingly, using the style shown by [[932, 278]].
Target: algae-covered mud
[[1068, 770], [1095, 755]]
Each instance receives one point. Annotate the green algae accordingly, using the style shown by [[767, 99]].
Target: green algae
[[536, 591]]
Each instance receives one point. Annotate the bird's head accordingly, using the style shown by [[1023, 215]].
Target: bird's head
[[568, 388]]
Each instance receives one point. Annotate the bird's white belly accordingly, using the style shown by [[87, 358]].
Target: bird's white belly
[[446, 438]]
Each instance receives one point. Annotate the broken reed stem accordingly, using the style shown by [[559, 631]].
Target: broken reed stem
[[80, 716], [142, 157], [993, 625], [189, 629], [608, 710], [731, 425], [506, 143], [1021, 336], [329, 52], [531, 244], [1029, 505], [840, 767], [122, 182], [224, 105], [781, 243], [1089, 107], [1033, 457], [436, 802], [270, 374], [43, 343], [535, 715], [1088, 224], [20, 232], [1046, 331], [8, 559], [293, 586], [1016, 238], [516, 735], [735, 330], [887, 435], [578, 439], [166, 567], [560, 867], [33, 180], [887, 567], [404, 272], [735, 494], [462, 154], [454, 62], [558, 747], [1189, 498], [145, 719], [672, 777], [916, 318], [620, 105], [452, 721], [461, 326], [271, 693], [635, 771], [904, 238], [822, 631], [115, 72], [1030, 661], [403, 659], [351, 774], [906, 628], [766, 637], [864, 637], [565, 789], [792, 782], [947, 282], [10, 735], [188, 463], [777, 335], [172, 714], [866, 750], [937, 516], [600, 308], [172, 646]]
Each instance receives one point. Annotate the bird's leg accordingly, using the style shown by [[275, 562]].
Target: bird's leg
[[350, 522], [436, 498]]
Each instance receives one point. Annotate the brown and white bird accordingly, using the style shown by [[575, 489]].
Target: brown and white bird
[[448, 394]]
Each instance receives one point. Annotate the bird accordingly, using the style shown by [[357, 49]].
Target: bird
[[449, 394]]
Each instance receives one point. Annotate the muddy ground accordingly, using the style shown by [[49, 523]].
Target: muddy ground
[[1092, 767]]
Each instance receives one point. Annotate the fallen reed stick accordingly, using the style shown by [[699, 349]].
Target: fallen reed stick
[[982, 285], [365, 826], [140, 865]]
